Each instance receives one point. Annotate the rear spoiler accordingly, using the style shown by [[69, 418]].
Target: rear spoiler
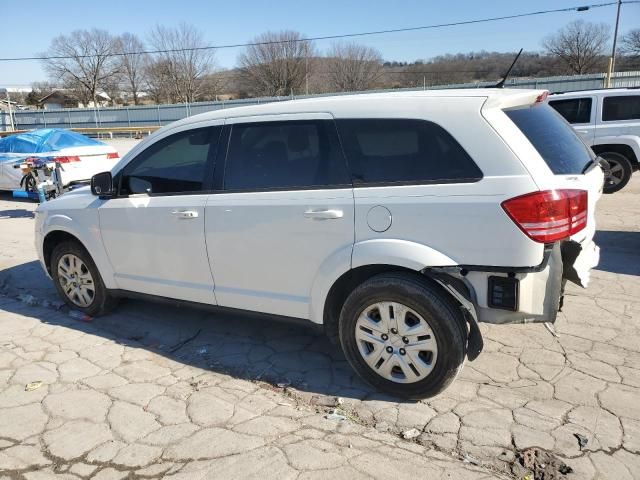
[[515, 98]]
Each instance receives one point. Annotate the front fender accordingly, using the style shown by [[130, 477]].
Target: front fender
[[87, 231]]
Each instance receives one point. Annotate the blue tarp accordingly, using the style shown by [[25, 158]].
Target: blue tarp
[[44, 140]]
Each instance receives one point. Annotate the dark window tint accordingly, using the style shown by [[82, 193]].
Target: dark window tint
[[282, 155], [623, 107], [553, 137], [401, 151], [574, 110], [175, 164]]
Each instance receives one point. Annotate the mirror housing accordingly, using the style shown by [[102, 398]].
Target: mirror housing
[[102, 185]]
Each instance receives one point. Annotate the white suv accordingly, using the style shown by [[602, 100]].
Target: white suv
[[609, 122], [396, 220]]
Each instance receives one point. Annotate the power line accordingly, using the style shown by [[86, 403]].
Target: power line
[[332, 37]]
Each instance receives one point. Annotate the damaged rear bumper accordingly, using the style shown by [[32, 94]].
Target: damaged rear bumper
[[504, 295]]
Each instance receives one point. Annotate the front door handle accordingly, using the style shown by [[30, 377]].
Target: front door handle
[[186, 214], [324, 214]]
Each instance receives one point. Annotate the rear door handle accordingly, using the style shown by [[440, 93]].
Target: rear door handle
[[324, 214], [186, 214]]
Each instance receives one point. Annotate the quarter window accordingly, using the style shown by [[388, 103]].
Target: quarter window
[[176, 164], [622, 107], [574, 110], [404, 151], [284, 155]]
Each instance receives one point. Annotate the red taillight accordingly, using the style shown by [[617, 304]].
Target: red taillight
[[550, 215], [66, 159], [111, 156]]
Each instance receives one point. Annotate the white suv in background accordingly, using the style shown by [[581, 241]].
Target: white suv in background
[[609, 122], [395, 220]]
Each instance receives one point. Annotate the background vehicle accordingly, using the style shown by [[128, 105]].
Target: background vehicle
[[609, 122], [79, 156], [397, 221]]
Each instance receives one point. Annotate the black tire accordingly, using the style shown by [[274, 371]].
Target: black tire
[[436, 307], [624, 171], [102, 301], [30, 184]]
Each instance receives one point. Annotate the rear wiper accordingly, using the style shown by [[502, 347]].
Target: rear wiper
[[601, 162]]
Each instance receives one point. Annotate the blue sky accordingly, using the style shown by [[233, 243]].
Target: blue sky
[[27, 28]]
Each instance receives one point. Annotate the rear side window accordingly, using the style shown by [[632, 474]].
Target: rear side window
[[381, 151], [284, 155], [574, 110], [622, 107], [553, 138], [175, 164]]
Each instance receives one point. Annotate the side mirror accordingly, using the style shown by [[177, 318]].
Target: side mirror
[[102, 185]]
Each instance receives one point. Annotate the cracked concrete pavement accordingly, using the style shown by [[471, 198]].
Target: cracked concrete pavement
[[122, 398]]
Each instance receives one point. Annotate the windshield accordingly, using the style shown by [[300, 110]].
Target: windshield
[[554, 139]]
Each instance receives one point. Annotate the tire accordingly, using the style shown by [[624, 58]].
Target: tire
[[421, 301], [101, 301], [621, 170]]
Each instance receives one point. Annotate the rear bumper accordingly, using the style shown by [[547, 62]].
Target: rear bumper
[[531, 294]]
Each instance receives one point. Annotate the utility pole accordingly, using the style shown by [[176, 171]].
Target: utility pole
[[612, 60]]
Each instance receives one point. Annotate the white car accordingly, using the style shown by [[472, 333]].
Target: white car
[[609, 122], [395, 220], [80, 157]]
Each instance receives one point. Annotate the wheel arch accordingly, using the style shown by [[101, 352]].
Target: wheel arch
[[59, 232], [53, 238], [626, 149]]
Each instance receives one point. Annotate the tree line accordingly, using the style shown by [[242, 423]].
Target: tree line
[[87, 62]]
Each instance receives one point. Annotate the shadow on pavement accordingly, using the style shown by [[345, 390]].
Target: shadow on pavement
[[619, 251], [243, 345], [16, 212]]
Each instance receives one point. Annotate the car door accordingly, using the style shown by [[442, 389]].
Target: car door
[[153, 231], [285, 209]]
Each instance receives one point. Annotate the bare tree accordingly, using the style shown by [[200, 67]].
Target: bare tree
[[277, 63], [85, 61], [353, 66], [580, 45], [158, 82], [631, 43], [183, 59], [132, 63]]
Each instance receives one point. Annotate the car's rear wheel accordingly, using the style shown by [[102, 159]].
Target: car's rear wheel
[[403, 335], [619, 173], [78, 281]]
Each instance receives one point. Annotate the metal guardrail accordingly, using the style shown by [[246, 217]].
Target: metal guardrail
[[145, 117]]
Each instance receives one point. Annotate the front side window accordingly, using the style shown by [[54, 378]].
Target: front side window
[[622, 107], [574, 110], [176, 164], [404, 151], [284, 155]]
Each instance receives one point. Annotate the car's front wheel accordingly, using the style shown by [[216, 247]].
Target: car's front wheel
[[78, 281], [403, 335]]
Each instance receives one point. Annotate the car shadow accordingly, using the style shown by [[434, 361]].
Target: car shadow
[[17, 213], [242, 345], [619, 251]]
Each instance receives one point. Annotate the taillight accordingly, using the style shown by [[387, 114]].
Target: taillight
[[550, 215], [112, 155], [66, 159]]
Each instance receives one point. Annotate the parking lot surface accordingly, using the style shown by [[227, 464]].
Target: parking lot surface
[[154, 390]]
